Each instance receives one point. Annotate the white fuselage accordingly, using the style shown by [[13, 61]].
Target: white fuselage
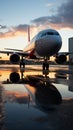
[[46, 43]]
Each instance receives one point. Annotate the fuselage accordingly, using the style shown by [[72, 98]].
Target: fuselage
[[46, 43]]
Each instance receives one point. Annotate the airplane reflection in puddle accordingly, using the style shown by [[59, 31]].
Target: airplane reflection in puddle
[[47, 97], [21, 77], [42, 94], [41, 97], [61, 79]]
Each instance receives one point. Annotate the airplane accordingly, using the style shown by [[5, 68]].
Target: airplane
[[45, 44]]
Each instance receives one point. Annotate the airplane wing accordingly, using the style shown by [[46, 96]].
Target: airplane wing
[[62, 53], [65, 53], [21, 53], [13, 49]]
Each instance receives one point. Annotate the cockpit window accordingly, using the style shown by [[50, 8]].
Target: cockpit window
[[50, 33], [56, 33]]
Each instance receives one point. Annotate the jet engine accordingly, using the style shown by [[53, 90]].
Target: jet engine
[[60, 59], [14, 58]]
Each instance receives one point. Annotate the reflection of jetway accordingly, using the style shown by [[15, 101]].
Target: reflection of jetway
[[70, 84], [70, 88]]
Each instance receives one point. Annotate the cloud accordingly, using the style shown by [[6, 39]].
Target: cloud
[[40, 20], [66, 13], [62, 19], [3, 26], [7, 34], [20, 29], [14, 96]]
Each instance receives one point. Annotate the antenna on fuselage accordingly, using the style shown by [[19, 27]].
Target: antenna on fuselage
[[28, 33]]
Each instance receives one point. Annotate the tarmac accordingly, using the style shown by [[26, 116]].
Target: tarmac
[[37, 99]]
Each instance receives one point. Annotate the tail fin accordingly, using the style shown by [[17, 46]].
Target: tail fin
[[28, 33]]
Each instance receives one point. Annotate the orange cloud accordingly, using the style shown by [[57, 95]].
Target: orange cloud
[[10, 34], [16, 94], [20, 30]]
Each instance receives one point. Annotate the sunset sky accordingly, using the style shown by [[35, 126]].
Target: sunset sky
[[16, 15]]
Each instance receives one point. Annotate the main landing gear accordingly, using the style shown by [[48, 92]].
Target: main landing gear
[[22, 63], [22, 67]]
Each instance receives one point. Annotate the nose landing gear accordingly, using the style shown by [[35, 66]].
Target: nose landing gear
[[45, 67], [45, 64]]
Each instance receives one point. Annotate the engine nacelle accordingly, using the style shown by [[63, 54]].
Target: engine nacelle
[[61, 59], [14, 77], [14, 58]]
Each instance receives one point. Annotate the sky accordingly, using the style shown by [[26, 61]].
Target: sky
[[17, 15]]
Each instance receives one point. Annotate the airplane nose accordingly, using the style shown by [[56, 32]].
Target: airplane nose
[[53, 47], [56, 45], [48, 47]]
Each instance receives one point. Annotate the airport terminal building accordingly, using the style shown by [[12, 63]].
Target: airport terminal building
[[70, 47]]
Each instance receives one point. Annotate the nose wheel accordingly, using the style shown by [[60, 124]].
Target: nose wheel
[[45, 67], [45, 64]]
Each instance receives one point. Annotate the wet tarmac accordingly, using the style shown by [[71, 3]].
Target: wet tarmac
[[30, 98]]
